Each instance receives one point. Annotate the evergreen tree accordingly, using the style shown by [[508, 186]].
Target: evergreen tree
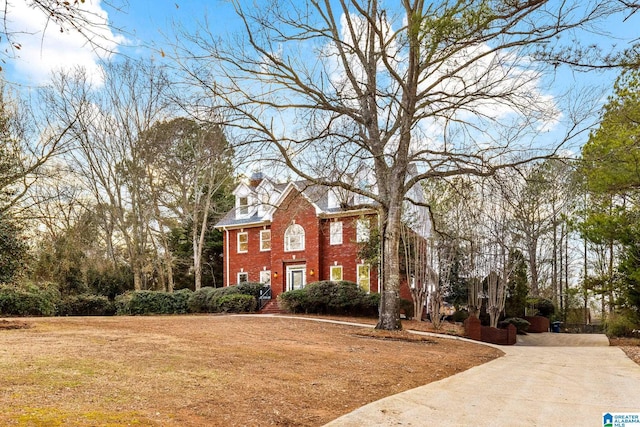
[[517, 287]]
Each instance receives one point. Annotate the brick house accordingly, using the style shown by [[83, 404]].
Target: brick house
[[288, 235]]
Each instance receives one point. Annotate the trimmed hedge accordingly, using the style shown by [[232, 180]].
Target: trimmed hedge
[[28, 300], [216, 300], [236, 303], [295, 301], [45, 300], [153, 302], [86, 305], [325, 297], [250, 288]]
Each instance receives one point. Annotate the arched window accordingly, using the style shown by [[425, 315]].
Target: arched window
[[294, 238]]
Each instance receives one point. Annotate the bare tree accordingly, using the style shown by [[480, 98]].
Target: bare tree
[[31, 137], [418, 259], [108, 156], [442, 88], [63, 16], [191, 175]]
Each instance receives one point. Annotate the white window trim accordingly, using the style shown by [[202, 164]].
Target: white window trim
[[287, 240], [336, 267], [266, 273], [335, 236], [242, 273], [243, 209], [243, 233], [303, 269], [262, 232], [358, 277]]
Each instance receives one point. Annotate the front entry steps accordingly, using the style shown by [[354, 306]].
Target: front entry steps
[[271, 308]]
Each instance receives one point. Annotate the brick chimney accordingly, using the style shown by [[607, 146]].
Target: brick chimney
[[255, 179]]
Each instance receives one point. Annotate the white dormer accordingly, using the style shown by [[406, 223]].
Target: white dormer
[[266, 197], [244, 201], [333, 200]]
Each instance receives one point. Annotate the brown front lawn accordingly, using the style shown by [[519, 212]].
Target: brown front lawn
[[209, 370]]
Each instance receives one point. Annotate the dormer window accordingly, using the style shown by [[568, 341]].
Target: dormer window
[[243, 205]]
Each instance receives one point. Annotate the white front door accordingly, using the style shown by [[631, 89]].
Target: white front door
[[296, 277]]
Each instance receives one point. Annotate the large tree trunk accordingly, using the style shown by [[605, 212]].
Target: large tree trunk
[[389, 318], [533, 266], [200, 226], [197, 256]]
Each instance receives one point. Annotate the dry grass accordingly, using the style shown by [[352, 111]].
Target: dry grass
[[209, 370]]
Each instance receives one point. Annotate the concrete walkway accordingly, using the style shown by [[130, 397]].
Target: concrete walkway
[[546, 379]]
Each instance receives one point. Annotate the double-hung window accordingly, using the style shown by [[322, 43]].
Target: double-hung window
[[265, 240], [243, 242], [364, 277], [335, 233], [243, 206], [336, 273]]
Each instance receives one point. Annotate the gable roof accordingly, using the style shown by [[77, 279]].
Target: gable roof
[[316, 195]]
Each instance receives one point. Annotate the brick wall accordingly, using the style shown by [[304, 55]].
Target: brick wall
[[295, 208], [318, 257], [345, 254], [475, 331], [538, 324], [252, 262]]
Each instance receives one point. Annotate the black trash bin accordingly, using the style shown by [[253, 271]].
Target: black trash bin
[[555, 326]]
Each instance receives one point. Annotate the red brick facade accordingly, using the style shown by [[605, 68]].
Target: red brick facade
[[312, 263]]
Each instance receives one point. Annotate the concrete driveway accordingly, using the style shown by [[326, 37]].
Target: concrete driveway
[[546, 379]]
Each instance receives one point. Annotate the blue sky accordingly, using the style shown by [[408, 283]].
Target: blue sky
[[148, 25], [144, 25]]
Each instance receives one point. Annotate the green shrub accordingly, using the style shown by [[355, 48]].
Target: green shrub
[[407, 307], [236, 303], [370, 305], [319, 296], [347, 298], [181, 301], [250, 288], [521, 325], [29, 300], [460, 315], [197, 302], [325, 297], [110, 282], [86, 305], [543, 306], [153, 302], [121, 303], [620, 325], [294, 301], [211, 300]]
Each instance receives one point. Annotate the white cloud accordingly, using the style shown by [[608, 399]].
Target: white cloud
[[44, 48]]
